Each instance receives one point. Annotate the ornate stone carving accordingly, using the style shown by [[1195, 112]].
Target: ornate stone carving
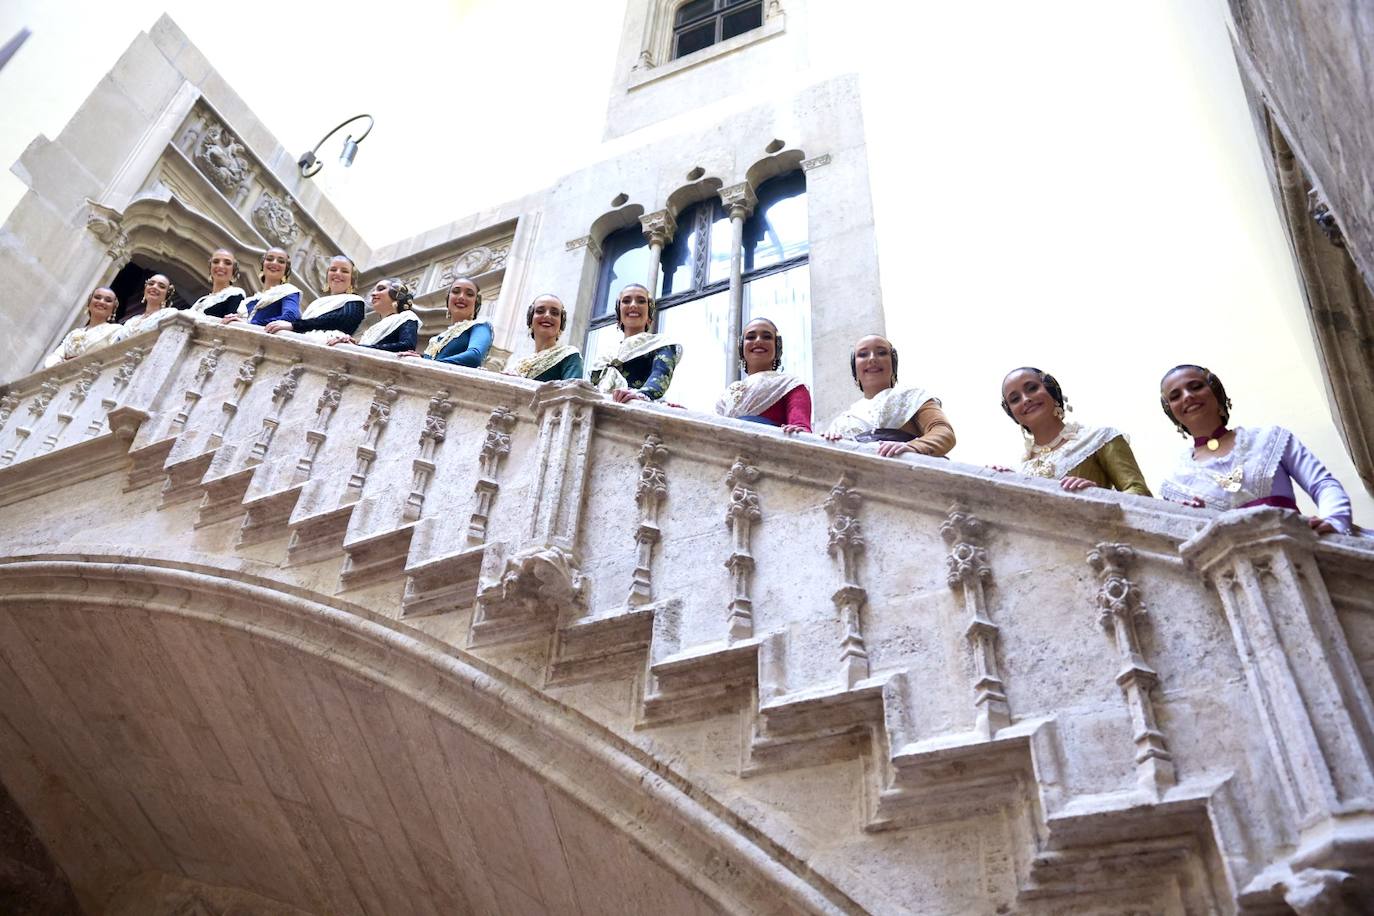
[[495, 447], [658, 227], [221, 158], [468, 264], [378, 416], [816, 162], [650, 493], [208, 364], [740, 517], [432, 436], [325, 407], [81, 387], [282, 393], [105, 224], [969, 571], [247, 371], [7, 405], [37, 407], [129, 366], [845, 538], [586, 240], [1119, 608], [273, 218], [499, 254], [739, 200]]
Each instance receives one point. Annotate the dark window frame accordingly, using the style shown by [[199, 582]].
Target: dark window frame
[[703, 214], [719, 12]]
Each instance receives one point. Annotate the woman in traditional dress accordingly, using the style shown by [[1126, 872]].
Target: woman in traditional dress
[[642, 369], [157, 292], [466, 341], [338, 312], [98, 331], [225, 295], [1228, 468], [1078, 456], [279, 299], [766, 395], [889, 420], [551, 361], [397, 327]]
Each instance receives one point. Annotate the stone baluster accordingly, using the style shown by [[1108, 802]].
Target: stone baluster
[[7, 405], [969, 571], [282, 393], [650, 493], [659, 228], [431, 437], [208, 364], [846, 540], [248, 370], [124, 420], [37, 407], [739, 201], [80, 390], [325, 408], [1118, 601], [1311, 701], [495, 447], [740, 519], [378, 416]]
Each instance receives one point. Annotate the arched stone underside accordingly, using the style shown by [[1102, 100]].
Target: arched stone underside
[[242, 735], [774, 674]]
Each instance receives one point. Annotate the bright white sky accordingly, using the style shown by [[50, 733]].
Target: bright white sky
[[1075, 185]]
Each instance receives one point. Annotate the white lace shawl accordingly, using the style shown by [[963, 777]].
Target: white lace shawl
[[890, 408], [1256, 453], [1080, 444], [82, 340], [384, 326], [753, 394]]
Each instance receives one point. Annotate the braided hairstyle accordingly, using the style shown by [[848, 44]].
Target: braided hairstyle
[[1051, 385], [777, 343], [399, 292], [1213, 382]]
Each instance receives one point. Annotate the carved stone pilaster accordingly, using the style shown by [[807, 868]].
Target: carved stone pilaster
[[495, 448], [740, 517], [739, 200], [846, 540], [650, 493], [208, 364], [132, 360], [1119, 609], [325, 408], [659, 227], [1313, 705], [968, 571], [247, 371], [37, 407], [282, 393], [432, 435], [378, 416], [523, 592], [80, 389], [106, 225], [7, 405]]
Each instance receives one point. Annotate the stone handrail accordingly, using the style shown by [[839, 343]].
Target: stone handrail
[[1128, 675]]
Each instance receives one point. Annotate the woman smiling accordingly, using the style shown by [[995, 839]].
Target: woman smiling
[[546, 317], [397, 329], [889, 420], [766, 395], [642, 368], [278, 299], [466, 341], [98, 331]]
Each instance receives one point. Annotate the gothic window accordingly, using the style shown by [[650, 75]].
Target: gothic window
[[701, 23], [694, 286]]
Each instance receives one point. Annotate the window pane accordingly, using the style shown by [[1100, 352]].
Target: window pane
[[601, 342], [676, 266], [785, 299], [700, 327], [777, 231], [630, 266], [696, 38], [741, 21], [718, 267], [693, 9]]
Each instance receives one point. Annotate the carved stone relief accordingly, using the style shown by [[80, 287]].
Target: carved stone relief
[[272, 217], [221, 157]]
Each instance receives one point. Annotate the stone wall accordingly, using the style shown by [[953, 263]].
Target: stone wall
[[362, 636]]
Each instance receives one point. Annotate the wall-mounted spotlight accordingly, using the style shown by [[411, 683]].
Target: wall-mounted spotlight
[[310, 164]]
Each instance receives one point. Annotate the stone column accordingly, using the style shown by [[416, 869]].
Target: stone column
[[739, 201], [659, 228], [1312, 703]]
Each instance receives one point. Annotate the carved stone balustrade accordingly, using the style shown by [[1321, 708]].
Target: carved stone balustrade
[[252, 587]]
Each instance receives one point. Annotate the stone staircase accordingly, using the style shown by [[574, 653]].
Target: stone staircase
[[762, 579]]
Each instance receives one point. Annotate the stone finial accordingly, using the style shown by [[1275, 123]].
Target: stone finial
[[1117, 596], [744, 500], [845, 533], [653, 485], [968, 558]]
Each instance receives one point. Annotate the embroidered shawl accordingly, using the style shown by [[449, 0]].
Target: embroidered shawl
[[266, 297], [455, 330], [753, 394], [1244, 474], [384, 326], [606, 372], [536, 364], [1080, 443], [890, 408]]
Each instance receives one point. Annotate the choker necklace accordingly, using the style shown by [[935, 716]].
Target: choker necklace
[[1213, 442]]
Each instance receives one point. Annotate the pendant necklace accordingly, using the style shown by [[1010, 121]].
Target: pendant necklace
[[1213, 442]]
